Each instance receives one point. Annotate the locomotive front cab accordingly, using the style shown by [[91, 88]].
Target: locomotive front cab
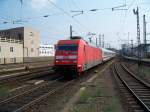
[[66, 57]]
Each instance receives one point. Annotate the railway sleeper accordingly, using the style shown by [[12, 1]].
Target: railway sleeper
[[130, 99], [124, 89], [142, 92], [144, 96], [139, 110], [146, 100], [136, 107], [147, 103], [121, 88], [133, 83], [133, 101], [136, 85], [128, 96], [126, 93], [140, 89]]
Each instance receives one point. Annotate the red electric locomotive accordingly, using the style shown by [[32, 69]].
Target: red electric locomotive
[[76, 56]]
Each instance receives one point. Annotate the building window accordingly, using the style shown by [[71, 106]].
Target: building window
[[20, 37], [32, 50], [32, 42], [11, 49], [11, 60], [31, 34]]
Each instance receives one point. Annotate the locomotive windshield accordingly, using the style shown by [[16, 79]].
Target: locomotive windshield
[[67, 47]]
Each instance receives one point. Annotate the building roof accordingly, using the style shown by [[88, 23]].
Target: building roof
[[16, 28], [12, 28]]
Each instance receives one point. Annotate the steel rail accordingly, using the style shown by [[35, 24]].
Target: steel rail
[[42, 97], [27, 92], [20, 69], [146, 108], [133, 75], [8, 78]]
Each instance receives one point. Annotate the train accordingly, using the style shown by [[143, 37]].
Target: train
[[74, 56]]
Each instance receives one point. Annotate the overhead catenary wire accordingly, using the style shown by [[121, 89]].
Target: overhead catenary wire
[[77, 7], [126, 13], [65, 12], [109, 8], [27, 19]]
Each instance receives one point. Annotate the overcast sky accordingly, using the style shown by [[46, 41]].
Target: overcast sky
[[115, 25]]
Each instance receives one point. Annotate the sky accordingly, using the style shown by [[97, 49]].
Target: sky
[[115, 25]]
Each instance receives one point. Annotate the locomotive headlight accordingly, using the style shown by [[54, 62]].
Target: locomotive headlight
[[59, 57], [75, 61], [79, 66], [72, 57]]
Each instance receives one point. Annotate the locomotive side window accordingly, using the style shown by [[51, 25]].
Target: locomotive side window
[[69, 47]]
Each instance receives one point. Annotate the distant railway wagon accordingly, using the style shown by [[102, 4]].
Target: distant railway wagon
[[107, 54], [77, 56]]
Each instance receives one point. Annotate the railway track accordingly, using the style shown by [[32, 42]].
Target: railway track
[[25, 75], [29, 98], [135, 91], [13, 68]]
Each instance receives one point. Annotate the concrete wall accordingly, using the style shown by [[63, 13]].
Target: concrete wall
[[31, 42], [38, 59], [25, 42], [11, 57]]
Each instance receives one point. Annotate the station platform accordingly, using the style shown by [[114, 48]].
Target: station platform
[[23, 66], [146, 60]]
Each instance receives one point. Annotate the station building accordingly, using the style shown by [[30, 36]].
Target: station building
[[47, 50], [18, 43]]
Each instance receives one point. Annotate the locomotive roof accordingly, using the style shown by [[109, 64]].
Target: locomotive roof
[[74, 41]]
